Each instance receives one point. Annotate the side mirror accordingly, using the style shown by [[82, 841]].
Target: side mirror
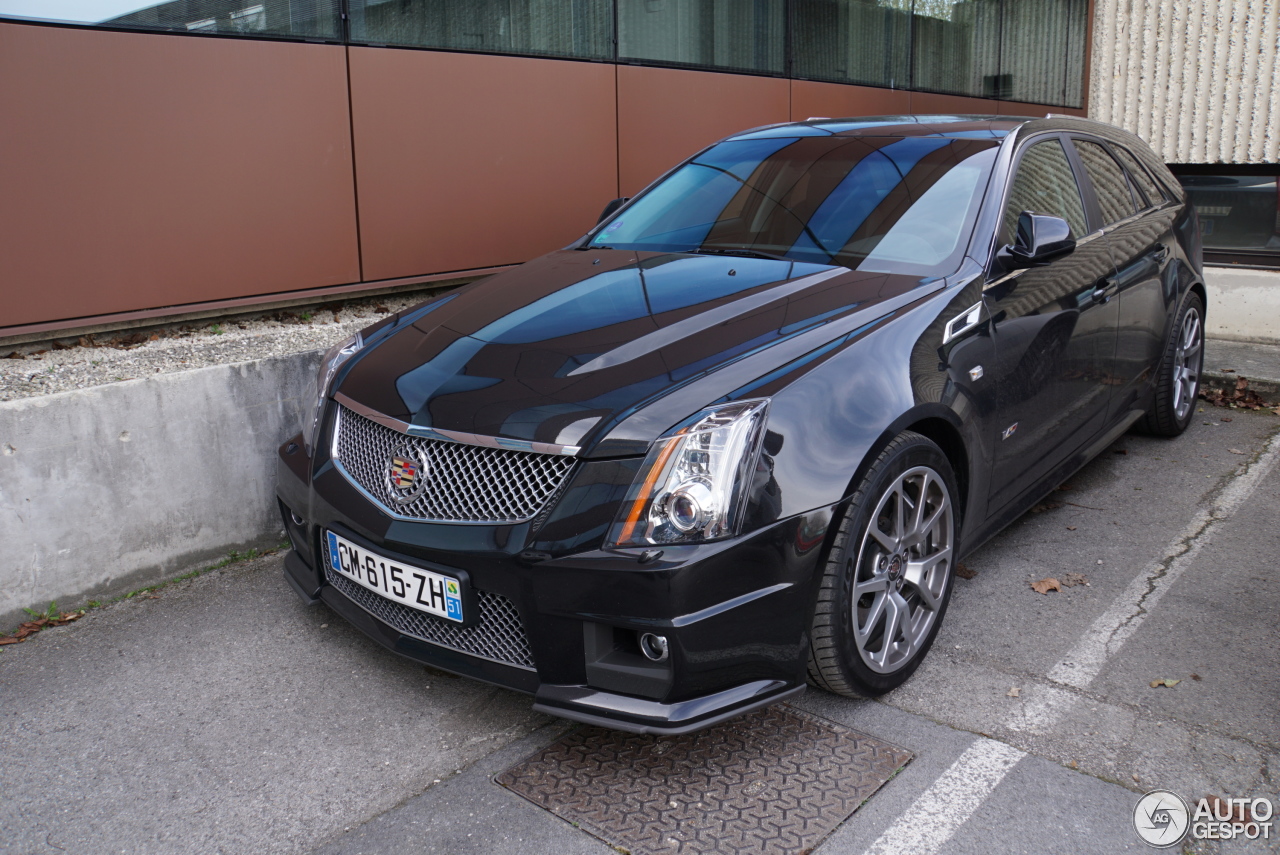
[[611, 207], [1041, 238]]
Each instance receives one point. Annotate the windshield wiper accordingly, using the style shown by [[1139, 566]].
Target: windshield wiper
[[738, 251]]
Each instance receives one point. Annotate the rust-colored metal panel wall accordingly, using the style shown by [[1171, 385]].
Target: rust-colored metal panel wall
[[148, 170], [668, 114], [836, 100], [935, 104], [466, 161], [930, 103]]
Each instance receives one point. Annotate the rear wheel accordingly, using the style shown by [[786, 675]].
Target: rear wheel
[[1178, 381], [888, 578]]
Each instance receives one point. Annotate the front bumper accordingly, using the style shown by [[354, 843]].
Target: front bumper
[[735, 613]]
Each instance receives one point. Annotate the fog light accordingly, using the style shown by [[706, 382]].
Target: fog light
[[654, 647]]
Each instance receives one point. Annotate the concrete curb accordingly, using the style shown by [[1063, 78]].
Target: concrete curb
[[110, 488]]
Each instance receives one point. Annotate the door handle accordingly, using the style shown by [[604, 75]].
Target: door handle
[[1105, 290]]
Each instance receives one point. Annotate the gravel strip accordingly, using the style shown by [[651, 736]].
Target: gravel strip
[[130, 355]]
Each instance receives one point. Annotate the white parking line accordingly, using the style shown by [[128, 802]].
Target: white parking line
[[949, 802], [1130, 610], [944, 807]]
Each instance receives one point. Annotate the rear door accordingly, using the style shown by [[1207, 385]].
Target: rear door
[[1054, 329], [1138, 224]]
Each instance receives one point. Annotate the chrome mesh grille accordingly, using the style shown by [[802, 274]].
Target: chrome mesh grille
[[498, 635], [466, 483]]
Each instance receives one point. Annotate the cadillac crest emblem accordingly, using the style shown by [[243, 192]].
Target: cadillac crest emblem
[[405, 477]]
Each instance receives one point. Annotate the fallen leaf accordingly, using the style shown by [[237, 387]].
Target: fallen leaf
[[1121, 451], [1074, 765], [1235, 451], [9, 639], [1196, 677], [1013, 692], [1166, 683], [1228, 371], [1135, 777], [1226, 418], [1064, 486], [1045, 506], [1070, 580], [1044, 586], [964, 572], [1242, 383], [1071, 528], [15, 355]]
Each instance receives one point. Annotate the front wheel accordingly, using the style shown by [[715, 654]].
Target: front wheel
[[1178, 380], [888, 578]]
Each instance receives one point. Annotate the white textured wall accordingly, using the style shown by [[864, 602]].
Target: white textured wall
[[1198, 79]]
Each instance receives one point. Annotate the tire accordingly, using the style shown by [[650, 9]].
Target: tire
[[1178, 379], [907, 572]]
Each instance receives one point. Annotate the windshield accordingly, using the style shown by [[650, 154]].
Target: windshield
[[883, 204]]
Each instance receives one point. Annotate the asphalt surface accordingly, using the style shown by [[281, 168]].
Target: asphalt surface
[[224, 716]]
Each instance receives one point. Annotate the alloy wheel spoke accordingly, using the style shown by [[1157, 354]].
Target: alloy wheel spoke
[[874, 613], [886, 541], [920, 576], [896, 610], [922, 504], [874, 585], [899, 512]]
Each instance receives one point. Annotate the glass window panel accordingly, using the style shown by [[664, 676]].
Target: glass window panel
[[745, 35], [1237, 212], [1033, 46], [879, 203], [1109, 183], [300, 18], [576, 28], [852, 41], [956, 47], [1146, 184], [1044, 184]]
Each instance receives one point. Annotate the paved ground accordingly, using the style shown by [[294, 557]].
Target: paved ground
[[226, 717]]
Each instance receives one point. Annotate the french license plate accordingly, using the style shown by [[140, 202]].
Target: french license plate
[[414, 587]]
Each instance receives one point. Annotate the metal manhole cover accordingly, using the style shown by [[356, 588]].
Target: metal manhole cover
[[775, 781]]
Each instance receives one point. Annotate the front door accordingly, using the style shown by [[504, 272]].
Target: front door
[[1055, 331]]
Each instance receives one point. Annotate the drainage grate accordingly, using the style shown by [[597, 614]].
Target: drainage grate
[[776, 780]]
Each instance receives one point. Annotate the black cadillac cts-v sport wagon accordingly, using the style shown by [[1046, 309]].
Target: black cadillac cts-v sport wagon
[[738, 436]]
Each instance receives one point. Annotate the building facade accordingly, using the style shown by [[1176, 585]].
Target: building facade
[[167, 158]]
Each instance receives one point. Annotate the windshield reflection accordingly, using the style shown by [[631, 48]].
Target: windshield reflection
[[883, 204]]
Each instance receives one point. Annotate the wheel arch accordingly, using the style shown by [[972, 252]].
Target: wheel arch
[[935, 422]]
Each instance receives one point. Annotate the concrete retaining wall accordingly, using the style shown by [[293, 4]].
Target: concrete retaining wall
[[1244, 305], [107, 489]]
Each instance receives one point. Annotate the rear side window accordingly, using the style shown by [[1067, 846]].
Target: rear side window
[[1146, 184], [1044, 184], [1109, 182]]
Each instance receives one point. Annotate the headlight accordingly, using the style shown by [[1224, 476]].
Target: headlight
[[329, 365], [692, 486]]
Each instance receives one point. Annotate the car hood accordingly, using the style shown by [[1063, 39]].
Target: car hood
[[564, 347]]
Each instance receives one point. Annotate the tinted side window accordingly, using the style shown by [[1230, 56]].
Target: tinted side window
[[1044, 184], [1108, 182], [1146, 184]]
